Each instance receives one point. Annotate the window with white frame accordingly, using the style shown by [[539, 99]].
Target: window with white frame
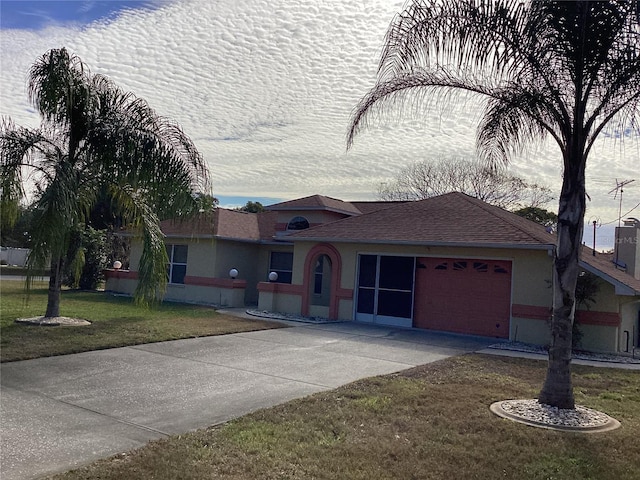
[[177, 263]]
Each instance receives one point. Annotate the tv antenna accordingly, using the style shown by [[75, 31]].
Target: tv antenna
[[620, 188]]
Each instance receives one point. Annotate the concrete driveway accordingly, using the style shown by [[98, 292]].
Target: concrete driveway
[[61, 412]]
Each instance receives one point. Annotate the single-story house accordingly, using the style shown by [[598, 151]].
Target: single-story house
[[451, 263]]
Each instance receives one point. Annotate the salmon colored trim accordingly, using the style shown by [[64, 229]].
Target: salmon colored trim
[[607, 319], [215, 282], [285, 288], [344, 293], [128, 274], [583, 317], [336, 273], [530, 311]]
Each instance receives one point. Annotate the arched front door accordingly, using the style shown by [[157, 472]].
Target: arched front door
[[321, 282]]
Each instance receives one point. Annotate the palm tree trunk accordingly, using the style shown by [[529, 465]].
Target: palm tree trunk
[[55, 285], [557, 390]]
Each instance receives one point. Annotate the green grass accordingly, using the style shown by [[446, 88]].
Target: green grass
[[115, 322], [14, 270], [430, 422]]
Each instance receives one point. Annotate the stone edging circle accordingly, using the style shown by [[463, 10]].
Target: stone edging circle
[[536, 414], [53, 321]]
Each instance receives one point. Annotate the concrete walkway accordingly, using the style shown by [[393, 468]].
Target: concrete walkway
[[61, 412]]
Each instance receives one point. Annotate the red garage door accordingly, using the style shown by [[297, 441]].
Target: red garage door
[[463, 296]]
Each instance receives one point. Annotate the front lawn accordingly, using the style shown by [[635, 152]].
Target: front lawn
[[430, 422], [115, 322]]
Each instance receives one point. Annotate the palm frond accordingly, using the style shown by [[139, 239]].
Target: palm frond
[[572, 66], [57, 87], [140, 215], [424, 90], [512, 120]]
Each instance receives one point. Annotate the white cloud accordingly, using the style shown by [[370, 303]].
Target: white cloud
[[265, 88]]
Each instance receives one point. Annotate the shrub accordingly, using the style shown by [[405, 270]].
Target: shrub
[[87, 257]]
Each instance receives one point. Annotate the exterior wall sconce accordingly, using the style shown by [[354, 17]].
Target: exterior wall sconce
[[273, 276], [117, 265], [233, 273]]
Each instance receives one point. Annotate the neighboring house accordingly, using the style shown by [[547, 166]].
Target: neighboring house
[[450, 263], [14, 256]]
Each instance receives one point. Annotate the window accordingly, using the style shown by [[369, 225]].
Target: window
[[177, 263], [282, 264], [481, 267], [385, 285], [317, 284], [367, 276], [298, 223], [499, 269], [321, 286], [368, 271]]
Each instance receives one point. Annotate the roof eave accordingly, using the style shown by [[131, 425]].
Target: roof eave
[[315, 209], [213, 237], [523, 246], [620, 287]]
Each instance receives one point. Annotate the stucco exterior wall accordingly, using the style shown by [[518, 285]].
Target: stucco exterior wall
[[531, 277], [629, 325], [605, 299], [207, 260], [207, 295], [599, 338], [345, 309], [242, 257], [606, 326], [123, 286], [125, 281], [201, 258], [313, 217], [527, 330], [599, 322], [279, 302], [134, 254]]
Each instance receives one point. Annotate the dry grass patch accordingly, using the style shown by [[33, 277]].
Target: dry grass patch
[[115, 322], [431, 422]]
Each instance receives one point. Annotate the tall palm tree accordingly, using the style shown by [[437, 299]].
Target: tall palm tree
[[546, 69], [96, 138]]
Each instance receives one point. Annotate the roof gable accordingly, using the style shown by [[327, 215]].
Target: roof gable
[[316, 202], [602, 265]]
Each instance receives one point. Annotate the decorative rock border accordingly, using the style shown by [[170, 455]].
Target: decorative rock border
[[53, 321], [289, 317], [536, 414]]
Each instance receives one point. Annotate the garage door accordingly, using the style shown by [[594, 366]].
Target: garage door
[[463, 296]]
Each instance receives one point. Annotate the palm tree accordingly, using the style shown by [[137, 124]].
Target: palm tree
[[546, 69], [95, 138]]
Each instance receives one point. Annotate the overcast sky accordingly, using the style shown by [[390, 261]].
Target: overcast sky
[[265, 89]]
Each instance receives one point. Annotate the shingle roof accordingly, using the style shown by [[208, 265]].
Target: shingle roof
[[316, 202], [223, 223], [238, 225], [267, 225], [202, 224], [368, 207], [603, 263], [453, 218]]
